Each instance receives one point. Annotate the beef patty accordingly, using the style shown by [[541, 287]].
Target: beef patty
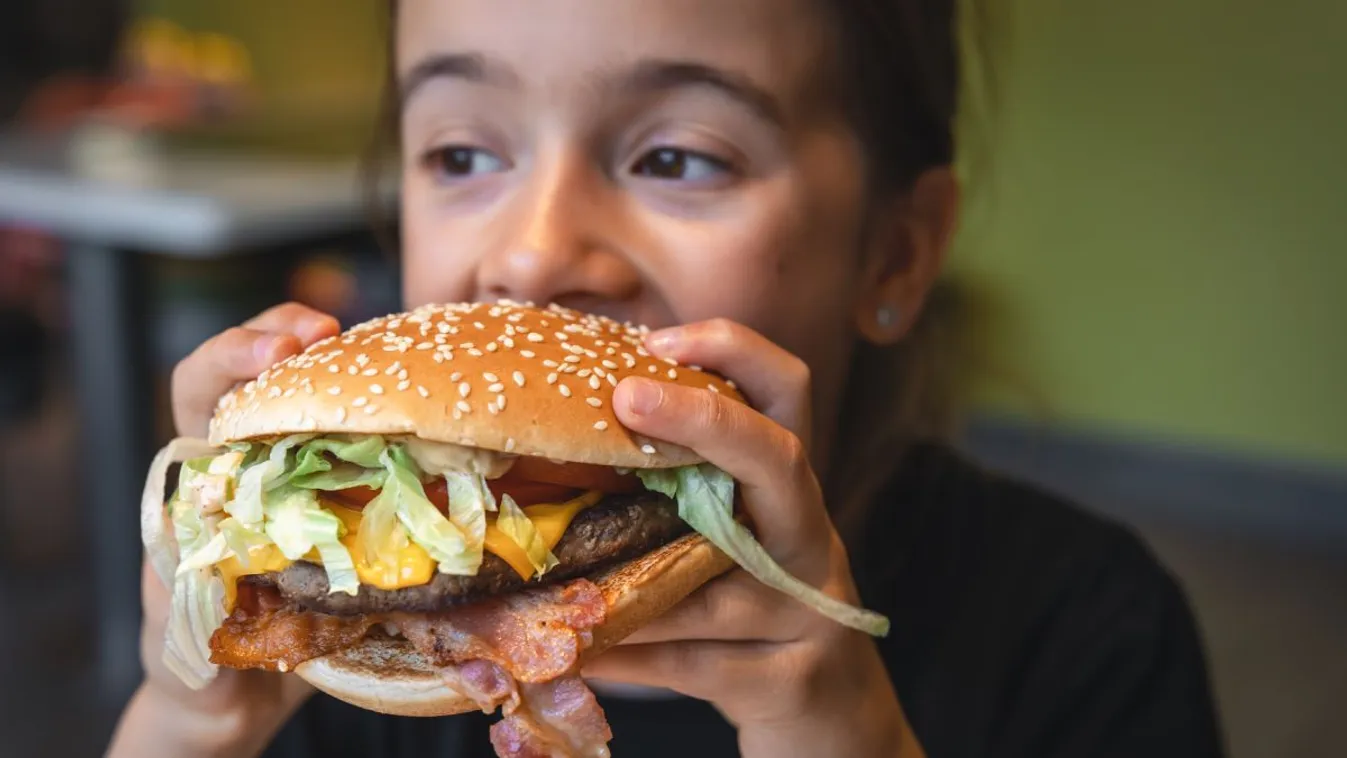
[[617, 528]]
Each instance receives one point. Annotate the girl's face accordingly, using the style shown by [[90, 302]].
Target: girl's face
[[663, 162]]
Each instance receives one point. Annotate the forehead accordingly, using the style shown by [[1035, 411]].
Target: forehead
[[782, 45]]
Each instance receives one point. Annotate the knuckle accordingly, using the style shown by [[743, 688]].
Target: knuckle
[[799, 376], [795, 456]]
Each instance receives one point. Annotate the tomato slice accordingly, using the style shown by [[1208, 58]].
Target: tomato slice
[[353, 497], [581, 476]]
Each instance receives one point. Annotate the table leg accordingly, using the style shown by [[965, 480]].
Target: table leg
[[116, 406]]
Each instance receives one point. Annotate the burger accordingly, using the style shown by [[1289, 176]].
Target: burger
[[438, 511]]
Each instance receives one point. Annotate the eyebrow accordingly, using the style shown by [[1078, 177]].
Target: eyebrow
[[661, 75], [470, 67], [646, 76]]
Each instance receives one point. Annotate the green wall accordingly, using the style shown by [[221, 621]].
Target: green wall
[[1164, 228]]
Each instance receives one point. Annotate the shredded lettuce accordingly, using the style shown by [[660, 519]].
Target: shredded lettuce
[[515, 524], [298, 524], [242, 540], [403, 496], [265, 474], [705, 496]]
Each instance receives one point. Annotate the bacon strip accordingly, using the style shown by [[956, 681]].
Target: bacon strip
[[556, 719], [516, 652], [536, 635]]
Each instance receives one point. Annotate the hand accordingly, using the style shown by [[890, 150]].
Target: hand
[[238, 712], [793, 682]]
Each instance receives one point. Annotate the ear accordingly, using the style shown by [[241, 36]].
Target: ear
[[905, 254]]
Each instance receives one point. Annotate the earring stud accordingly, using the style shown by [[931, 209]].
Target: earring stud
[[886, 316]]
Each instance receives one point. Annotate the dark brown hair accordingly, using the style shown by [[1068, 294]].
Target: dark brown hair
[[903, 67]]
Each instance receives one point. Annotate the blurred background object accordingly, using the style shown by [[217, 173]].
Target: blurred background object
[[1153, 250]]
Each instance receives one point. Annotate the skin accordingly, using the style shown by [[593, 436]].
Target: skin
[[568, 163]]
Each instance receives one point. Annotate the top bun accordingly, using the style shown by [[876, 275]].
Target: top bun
[[505, 377]]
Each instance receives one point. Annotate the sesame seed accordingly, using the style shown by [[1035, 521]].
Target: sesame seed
[[422, 391], [370, 409], [572, 359], [713, 388], [611, 379], [290, 392], [506, 341], [490, 377], [361, 360], [474, 352], [464, 388], [519, 378], [527, 353], [491, 347], [403, 385], [376, 389], [275, 391], [456, 376], [560, 336], [509, 444], [582, 373], [334, 368], [565, 391], [463, 406], [360, 402], [599, 372], [535, 337], [370, 372], [609, 364], [730, 383], [341, 415], [552, 378], [500, 402], [478, 324], [594, 402], [457, 414], [653, 369], [591, 354], [600, 425], [402, 375], [467, 345], [353, 371], [594, 382], [673, 374], [648, 449], [550, 363], [334, 390], [492, 407], [393, 369]]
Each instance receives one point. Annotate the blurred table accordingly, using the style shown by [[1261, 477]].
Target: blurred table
[[114, 198]]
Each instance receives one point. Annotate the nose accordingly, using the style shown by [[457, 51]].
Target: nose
[[560, 245]]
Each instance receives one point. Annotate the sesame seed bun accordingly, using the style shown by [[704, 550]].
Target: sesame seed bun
[[504, 377], [388, 676]]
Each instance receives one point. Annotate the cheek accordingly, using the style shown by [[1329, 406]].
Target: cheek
[[436, 267]]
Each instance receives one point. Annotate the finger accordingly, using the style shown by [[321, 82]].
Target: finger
[[233, 356], [773, 380], [735, 607], [714, 671], [769, 462], [305, 323]]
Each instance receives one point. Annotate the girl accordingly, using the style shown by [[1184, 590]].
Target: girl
[[770, 180]]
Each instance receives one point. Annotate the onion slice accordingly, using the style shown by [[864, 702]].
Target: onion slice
[[156, 530]]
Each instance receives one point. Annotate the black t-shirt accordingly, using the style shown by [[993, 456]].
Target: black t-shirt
[[1022, 626]]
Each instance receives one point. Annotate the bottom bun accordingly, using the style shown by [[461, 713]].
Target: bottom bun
[[389, 676]]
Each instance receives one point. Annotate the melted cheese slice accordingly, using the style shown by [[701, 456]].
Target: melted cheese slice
[[414, 567], [550, 519]]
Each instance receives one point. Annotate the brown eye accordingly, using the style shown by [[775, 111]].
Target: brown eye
[[676, 164], [459, 161]]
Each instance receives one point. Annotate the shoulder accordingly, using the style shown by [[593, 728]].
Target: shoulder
[[947, 517], [1031, 618]]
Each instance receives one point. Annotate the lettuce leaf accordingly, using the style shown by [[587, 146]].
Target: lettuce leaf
[[705, 496], [403, 498], [297, 524], [515, 524], [264, 474]]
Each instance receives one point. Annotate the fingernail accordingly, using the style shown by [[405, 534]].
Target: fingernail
[[645, 396], [664, 340]]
